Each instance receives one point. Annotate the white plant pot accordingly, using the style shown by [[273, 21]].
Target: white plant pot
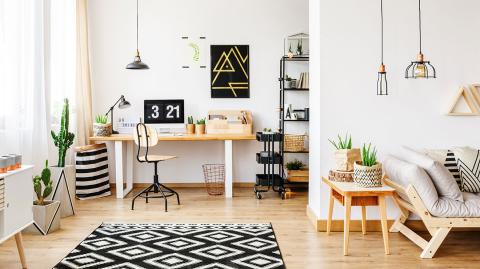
[[67, 199], [46, 218], [368, 176]]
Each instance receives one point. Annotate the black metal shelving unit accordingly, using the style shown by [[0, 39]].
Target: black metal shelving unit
[[283, 62], [270, 159]]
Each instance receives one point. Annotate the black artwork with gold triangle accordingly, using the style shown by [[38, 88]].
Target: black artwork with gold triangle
[[230, 71]]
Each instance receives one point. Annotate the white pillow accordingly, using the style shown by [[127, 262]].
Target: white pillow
[[447, 158], [442, 179], [468, 161]]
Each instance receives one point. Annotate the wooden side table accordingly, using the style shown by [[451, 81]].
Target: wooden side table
[[349, 194]]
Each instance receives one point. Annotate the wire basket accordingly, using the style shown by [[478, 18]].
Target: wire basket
[[294, 142], [214, 175]]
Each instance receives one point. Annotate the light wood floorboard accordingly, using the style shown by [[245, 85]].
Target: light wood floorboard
[[301, 245]]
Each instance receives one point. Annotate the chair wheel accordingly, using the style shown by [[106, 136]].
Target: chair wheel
[[259, 196]]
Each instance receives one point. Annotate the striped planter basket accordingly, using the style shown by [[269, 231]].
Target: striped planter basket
[[367, 176], [92, 180]]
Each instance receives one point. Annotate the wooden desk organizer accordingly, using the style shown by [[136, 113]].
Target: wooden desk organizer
[[229, 122]]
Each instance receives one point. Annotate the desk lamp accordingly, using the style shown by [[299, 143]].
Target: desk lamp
[[122, 103]]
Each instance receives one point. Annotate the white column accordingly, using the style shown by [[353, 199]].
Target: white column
[[119, 168], [228, 169]]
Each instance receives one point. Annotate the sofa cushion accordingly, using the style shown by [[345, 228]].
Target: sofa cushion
[[442, 179], [447, 158], [404, 174], [468, 161], [448, 208]]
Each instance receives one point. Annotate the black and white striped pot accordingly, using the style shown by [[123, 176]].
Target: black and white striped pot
[[367, 176]]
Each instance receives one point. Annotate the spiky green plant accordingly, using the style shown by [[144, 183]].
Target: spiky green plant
[[369, 155], [345, 143], [300, 47], [44, 178], [190, 119], [101, 119], [64, 139], [201, 121], [295, 165]]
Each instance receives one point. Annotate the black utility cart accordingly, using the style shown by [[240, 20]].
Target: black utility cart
[[271, 179]]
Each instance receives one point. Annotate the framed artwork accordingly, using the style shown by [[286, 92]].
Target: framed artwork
[[163, 111], [194, 51], [230, 71]]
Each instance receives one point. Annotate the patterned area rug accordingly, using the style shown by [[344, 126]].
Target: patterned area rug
[[202, 246]]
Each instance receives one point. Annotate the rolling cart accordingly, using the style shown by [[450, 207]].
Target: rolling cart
[[271, 178]]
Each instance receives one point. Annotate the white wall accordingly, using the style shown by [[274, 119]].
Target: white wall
[[260, 24], [413, 113]]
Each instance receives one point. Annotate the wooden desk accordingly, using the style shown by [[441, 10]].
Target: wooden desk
[[126, 141], [349, 194]]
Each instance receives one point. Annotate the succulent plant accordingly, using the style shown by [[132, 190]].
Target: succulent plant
[[43, 178], [369, 155], [345, 143], [101, 119], [295, 165], [201, 121], [64, 139], [190, 119]]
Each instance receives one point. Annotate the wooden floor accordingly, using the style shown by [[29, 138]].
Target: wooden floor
[[301, 245]]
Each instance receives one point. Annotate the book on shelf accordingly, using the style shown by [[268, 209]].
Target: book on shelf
[[302, 82]]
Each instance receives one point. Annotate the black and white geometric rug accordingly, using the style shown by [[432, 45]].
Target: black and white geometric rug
[[202, 246]]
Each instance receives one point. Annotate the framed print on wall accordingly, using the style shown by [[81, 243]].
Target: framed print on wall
[[230, 71]]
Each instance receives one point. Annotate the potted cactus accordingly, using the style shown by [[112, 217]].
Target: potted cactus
[[200, 126], [190, 125], [45, 212], [368, 172], [101, 127], [64, 175], [345, 155]]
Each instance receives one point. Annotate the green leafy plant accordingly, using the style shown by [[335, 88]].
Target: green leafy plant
[[345, 143], [64, 139], [267, 130], [369, 155], [190, 119], [43, 178], [300, 47], [288, 78], [295, 165], [201, 121], [101, 119]]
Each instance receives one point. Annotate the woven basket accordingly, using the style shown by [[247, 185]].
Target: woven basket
[[294, 142], [367, 176], [214, 178]]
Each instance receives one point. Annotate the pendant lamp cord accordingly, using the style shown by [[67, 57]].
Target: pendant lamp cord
[[420, 24], [137, 26], [381, 18]]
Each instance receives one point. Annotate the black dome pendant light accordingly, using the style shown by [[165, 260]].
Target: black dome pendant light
[[420, 68], [382, 85], [137, 62]]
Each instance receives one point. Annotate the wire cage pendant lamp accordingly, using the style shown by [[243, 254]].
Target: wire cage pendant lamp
[[382, 84], [137, 61], [420, 68]]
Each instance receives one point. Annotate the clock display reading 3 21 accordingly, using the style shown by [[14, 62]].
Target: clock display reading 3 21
[[163, 111]]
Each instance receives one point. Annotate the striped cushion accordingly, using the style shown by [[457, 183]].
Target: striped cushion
[[92, 174], [468, 161]]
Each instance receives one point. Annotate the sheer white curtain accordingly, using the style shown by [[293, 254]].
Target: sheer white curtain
[[37, 70]]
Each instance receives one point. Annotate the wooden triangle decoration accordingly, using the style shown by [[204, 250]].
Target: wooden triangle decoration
[[471, 96]]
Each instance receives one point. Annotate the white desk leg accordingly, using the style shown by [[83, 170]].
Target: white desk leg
[[228, 169], [119, 165]]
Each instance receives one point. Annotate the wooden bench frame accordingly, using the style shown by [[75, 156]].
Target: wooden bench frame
[[437, 227]]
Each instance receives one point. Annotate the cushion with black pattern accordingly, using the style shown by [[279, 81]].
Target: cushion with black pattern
[[468, 163]]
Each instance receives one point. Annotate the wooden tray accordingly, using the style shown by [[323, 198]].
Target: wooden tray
[[341, 176]]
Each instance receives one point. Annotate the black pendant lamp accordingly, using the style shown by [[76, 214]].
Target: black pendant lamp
[[420, 68], [137, 62], [382, 85]]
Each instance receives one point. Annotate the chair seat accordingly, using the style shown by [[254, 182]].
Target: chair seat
[[156, 158]]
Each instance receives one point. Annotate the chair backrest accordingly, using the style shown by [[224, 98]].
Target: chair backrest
[[145, 137]]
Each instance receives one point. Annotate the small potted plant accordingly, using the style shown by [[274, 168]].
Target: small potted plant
[[46, 213], [290, 82], [200, 126], [368, 172], [299, 47], [190, 125], [296, 171], [101, 127], [345, 155]]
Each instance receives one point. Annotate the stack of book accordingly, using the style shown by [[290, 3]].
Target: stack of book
[[302, 82]]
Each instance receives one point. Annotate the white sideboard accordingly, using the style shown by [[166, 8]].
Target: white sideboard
[[16, 205]]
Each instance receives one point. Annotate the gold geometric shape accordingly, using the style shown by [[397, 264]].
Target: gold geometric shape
[[471, 97]]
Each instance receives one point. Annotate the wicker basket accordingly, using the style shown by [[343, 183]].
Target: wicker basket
[[367, 176], [340, 176], [214, 178], [294, 142]]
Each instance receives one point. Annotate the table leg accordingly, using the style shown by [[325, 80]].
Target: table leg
[[21, 252], [364, 220], [383, 218], [130, 161], [228, 169], [346, 223], [330, 212], [119, 166]]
